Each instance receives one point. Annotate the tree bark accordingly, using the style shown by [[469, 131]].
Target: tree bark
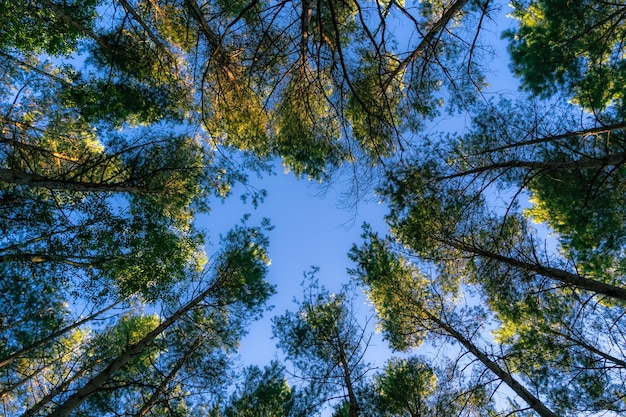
[[352, 401], [554, 138], [505, 376], [153, 36], [560, 275], [93, 385], [579, 342], [586, 163], [212, 38], [455, 8], [77, 261], [16, 177], [8, 359], [170, 376]]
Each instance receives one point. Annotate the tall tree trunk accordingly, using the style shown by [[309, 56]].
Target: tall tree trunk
[[12, 176], [560, 275], [583, 163], [214, 41], [170, 376], [18, 354], [347, 375], [505, 376], [578, 133], [93, 385], [153, 36]]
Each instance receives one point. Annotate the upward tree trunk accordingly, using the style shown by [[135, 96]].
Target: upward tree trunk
[[560, 275], [170, 376], [578, 133], [18, 354], [352, 400], [153, 36], [12, 176], [100, 379], [505, 376], [214, 41], [593, 349], [584, 163]]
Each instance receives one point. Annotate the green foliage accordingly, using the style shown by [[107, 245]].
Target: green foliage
[[373, 107], [575, 45], [325, 343], [414, 387], [32, 27], [117, 206], [586, 209], [144, 84], [421, 209], [172, 21], [571, 170], [404, 387], [307, 130], [124, 102], [243, 265], [393, 287], [107, 157], [31, 308], [247, 10], [263, 393], [140, 363], [442, 219], [237, 68], [128, 244], [332, 21], [28, 298]]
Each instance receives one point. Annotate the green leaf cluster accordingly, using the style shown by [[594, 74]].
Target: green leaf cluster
[[574, 45]]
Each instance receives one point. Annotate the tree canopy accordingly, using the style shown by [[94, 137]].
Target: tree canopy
[[122, 122]]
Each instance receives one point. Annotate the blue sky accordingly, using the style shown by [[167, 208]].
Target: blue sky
[[312, 229]]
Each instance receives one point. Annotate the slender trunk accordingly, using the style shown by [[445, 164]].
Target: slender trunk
[[504, 375], [77, 261], [305, 23], [93, 385], [74, 23], [352, 400], [214, 42], [560, 275], [19, 322], [33, 411], [32, 148], [13, 387], [16, 177], [554, 138], [19, 247], [455, 9], [33, 68], [170, 376], [592, 349], [153, 36], [204, 26], [15, 355], [586, 163]]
